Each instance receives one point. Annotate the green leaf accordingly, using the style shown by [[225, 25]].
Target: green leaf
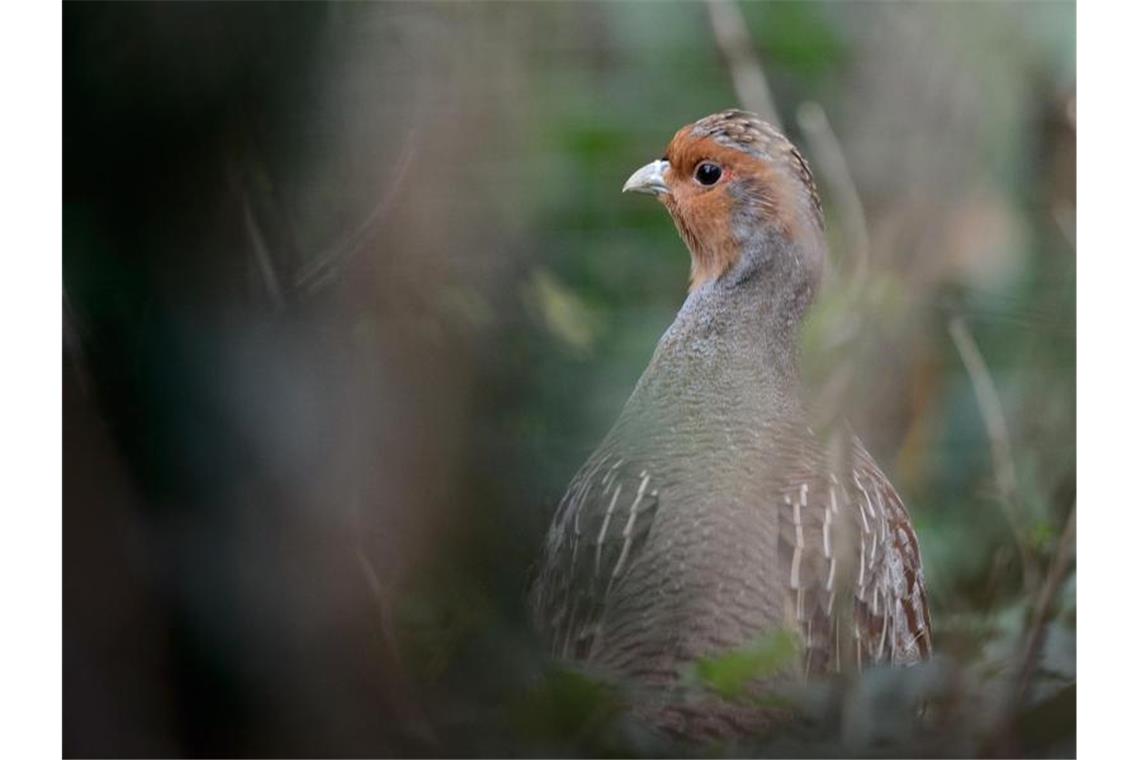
[[728, 674]]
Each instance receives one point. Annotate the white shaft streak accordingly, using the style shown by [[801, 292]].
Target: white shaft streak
[[602, 533], [866, 499], [827, 528], [797, 554], [883, 638], [827, 552], [627, 533], [608, 479]]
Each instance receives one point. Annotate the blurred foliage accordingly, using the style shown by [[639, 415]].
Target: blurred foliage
[[730, 673], [300, 511]]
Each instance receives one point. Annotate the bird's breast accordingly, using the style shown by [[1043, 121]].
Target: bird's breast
[[703, 581]]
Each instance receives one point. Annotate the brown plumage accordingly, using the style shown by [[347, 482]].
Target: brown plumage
[[712, 514]]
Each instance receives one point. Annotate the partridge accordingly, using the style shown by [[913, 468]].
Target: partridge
[[712, 515]]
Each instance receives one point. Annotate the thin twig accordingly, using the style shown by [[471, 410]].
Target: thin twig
[[383, 603], [829, 158], [1001, 451], [324, 265], [1035, 636], [73, 339], [735, 45], [401, 689], [751, 87], [988, 402], [262, 256], [1065, 217]]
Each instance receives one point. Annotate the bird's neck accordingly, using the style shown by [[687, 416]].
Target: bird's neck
[[734, 344]]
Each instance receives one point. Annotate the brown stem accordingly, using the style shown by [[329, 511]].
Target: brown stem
[[1046, 599]]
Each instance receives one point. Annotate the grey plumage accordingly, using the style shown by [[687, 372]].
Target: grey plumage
[[711, 514]]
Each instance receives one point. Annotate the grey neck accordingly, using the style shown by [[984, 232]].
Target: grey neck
[[733, 347]]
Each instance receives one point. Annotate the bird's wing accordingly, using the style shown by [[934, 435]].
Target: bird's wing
[[601, 525], [854, 575], [891, 613]]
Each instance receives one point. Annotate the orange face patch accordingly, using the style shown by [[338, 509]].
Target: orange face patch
[[705, 215]]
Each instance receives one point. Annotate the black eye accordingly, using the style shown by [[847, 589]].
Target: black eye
[[708, 173]]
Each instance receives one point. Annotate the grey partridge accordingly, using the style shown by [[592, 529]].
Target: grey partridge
[[712, 514]]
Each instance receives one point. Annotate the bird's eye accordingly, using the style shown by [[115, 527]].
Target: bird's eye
[[708, 173]]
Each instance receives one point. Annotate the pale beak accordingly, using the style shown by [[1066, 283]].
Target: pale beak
[[649, 179]]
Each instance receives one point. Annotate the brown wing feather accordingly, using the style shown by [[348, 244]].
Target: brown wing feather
[[599, 529], [894, 606], [854, 573]]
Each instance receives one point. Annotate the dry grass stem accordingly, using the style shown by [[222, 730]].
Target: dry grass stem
[[1001, 451], [262, 256], [735, 45], [832, 165]]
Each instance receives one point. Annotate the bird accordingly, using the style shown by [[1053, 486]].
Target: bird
[[713, 514]]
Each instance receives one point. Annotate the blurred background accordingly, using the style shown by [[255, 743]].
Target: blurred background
[[350, 292]]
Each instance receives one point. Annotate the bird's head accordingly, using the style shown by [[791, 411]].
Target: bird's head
[[739, 193]]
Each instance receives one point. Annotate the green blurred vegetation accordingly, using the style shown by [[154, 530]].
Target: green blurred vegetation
[[729, 674], [317, 500]]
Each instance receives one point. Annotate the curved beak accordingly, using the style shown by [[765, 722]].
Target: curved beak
[[649, 179]]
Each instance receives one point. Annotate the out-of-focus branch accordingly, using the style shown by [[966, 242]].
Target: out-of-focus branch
[[262, 256], [831, 166], [383, 600], [989, 403], [829, 159], [1005, 733], [1066, 218], [735, 45], [400, 688], [1001, 452], [73, 345], [1046, 600], [325, 265]]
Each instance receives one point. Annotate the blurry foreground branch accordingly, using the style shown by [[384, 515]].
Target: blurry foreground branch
[[327, 264], [262, 255], [828, 156], [736, 45]]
